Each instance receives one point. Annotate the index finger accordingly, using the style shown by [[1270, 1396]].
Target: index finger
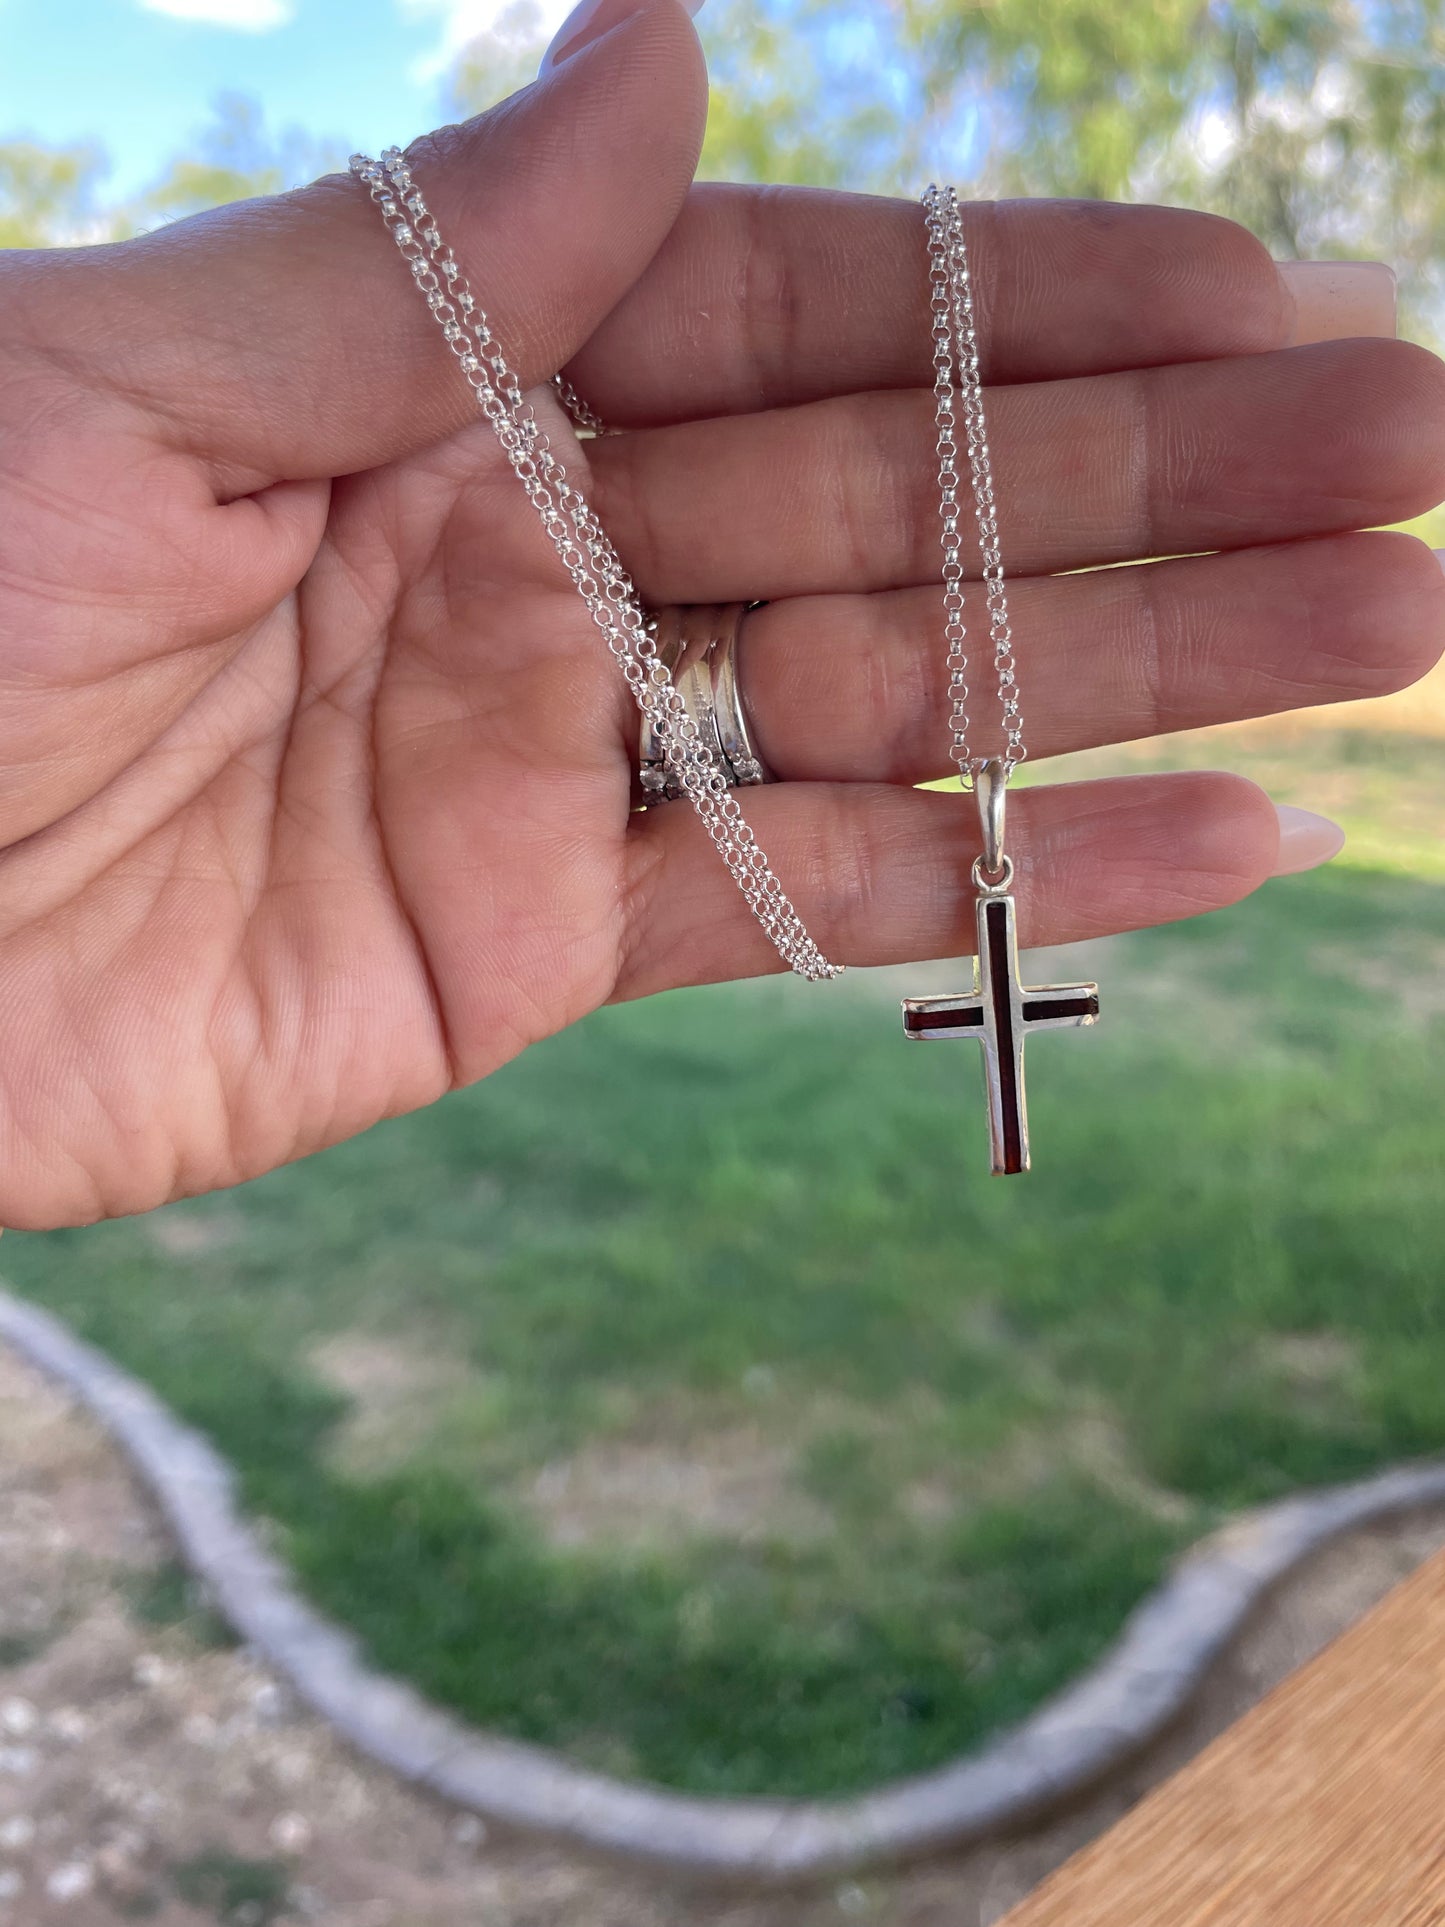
[[764, 297]]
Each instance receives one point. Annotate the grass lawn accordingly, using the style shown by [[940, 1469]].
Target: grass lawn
[[689, 1397]]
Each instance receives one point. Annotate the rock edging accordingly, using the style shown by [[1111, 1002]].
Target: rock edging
[[1095, 1726]]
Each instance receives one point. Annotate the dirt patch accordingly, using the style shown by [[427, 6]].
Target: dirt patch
[[1090, 1440], [397, 1391], [1089, 1443], [148, 1773], [675, 1470], [1412, 975], [188, 1231], [736, 1484], [1312, 1360], [1095, 1444]]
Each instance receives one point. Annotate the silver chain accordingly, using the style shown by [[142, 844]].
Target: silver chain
[[956, 371], [585, 551], [582, 413]]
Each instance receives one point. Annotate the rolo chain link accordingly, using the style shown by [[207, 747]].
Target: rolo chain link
[[581, 412], [585, 551], [956, 372]]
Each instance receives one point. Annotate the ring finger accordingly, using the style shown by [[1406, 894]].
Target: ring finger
[[854, 688]]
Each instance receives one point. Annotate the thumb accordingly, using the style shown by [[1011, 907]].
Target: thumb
[[283, 338]]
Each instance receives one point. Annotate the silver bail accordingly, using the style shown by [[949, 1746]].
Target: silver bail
[[991, 786]]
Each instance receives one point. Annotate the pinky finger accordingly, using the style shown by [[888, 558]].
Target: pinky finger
[[880, 874]]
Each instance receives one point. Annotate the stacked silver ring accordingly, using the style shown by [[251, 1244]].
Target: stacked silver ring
[[697, 644]]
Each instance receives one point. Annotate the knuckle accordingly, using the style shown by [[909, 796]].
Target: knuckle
[[1157, 458], [1158, 656], [863, 491], [770, 300], [843, 870], [905, 701]]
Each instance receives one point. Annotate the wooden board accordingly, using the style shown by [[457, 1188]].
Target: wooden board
[[1323, 1807]]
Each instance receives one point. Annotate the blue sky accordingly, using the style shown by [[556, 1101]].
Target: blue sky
[[139, 76]]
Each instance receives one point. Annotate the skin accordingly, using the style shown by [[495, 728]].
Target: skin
[[315, 799]]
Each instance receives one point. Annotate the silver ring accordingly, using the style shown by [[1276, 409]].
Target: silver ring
[[697, 644], [682, 650], [727, 697]]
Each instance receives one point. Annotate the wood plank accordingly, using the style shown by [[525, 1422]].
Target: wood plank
[[1324, 1806]]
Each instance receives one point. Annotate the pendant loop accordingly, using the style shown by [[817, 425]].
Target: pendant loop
[[995, 883], [990, 786]]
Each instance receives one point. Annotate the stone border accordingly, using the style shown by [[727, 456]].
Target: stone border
[[1093, 1727]]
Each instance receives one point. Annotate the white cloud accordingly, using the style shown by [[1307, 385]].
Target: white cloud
[[248, 16], [461, 22]]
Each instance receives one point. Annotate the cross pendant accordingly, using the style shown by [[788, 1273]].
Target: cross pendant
[[1001, 1014]]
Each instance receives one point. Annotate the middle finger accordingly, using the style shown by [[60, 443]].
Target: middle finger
[[842, 494]]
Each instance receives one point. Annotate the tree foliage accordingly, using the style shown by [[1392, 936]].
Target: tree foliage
[[1318, 123], [498, 61], [52, 196], [46, 193], [800, 95], [235, 157], [793, 97]]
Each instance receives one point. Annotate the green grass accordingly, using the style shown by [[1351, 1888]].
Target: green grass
[[688, 1397], [168, 1595], [256, 1892]]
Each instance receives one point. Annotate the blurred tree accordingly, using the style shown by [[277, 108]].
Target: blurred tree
[[1318, 123], [47, 194], [797, 94], [236, 156], [804, 92], [498, 61]]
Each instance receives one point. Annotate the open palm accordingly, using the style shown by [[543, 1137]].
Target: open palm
[[316, 786]]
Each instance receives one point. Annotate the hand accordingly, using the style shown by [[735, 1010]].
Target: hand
[[316, 776]]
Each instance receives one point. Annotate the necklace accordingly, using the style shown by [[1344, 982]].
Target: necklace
[[586, 553], [999, 1011]]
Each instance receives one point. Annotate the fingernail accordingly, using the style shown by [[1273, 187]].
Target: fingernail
[[1341, 300], [1306, 840], [1439, 555], [589, 21]]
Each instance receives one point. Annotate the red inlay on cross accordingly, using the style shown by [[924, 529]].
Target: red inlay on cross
[[1002, 1014]]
